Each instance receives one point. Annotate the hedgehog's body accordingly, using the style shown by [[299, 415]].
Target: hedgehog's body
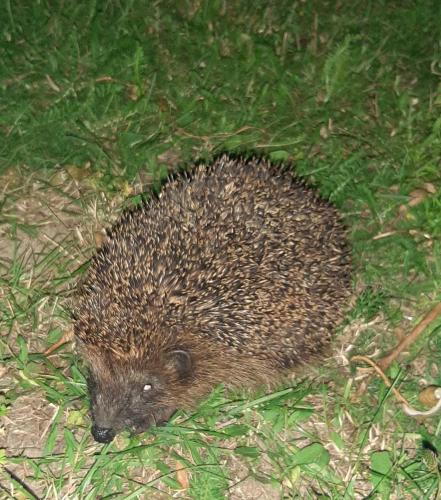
[[233, 276]]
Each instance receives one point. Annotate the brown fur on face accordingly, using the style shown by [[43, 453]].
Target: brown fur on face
[[232, 276], [135, 395]]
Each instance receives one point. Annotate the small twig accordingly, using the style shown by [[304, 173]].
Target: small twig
[[383, 235], [67, 337], [386, 361], [406, 407], [385, 378]]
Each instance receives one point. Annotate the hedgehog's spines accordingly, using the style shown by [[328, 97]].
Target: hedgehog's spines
[[238, 260]]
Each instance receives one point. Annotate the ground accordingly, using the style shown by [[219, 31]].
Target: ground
[[100, 101]]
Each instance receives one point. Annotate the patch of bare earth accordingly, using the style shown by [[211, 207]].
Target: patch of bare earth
[[46, 233]]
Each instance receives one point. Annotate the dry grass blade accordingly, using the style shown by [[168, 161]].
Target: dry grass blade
[[386, 361]]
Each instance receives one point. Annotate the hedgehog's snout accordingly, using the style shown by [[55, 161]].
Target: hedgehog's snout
[[107, 434], [102, 434], [126, 403]]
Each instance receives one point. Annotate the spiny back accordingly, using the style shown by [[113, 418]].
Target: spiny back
[[240, 253]]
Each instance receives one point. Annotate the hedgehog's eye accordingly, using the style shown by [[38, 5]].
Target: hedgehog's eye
[[147, 388]]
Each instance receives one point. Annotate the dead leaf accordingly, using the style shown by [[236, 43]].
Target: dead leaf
[[428, 396], [132, 92], [171, 157], [104, 79], [324, 133], [52, 84], [99, 237], [182, 476], [429, 187], [78, 173], [417, 196]]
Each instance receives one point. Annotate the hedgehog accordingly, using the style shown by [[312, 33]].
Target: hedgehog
[[237, 273]]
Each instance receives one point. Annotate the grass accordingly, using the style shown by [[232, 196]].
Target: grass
[[100, 100]]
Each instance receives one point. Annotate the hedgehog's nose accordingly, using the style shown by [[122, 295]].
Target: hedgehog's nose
[[102, 435]]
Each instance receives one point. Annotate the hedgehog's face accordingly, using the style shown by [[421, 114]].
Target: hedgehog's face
[[134, 398], [129, 403]]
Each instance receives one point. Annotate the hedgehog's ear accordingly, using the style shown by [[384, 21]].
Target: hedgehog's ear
[[180, 360]]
